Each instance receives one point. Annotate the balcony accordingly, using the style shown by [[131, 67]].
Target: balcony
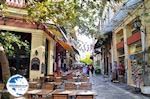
[[134, 38], [16, 3]]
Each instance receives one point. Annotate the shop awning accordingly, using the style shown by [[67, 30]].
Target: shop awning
[[65, 45]]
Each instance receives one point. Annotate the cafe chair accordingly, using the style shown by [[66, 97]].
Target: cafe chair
[[85, 86], [60, 96], [70, 86], [48, 86], [58, 79], [84, 97], [32, 86]]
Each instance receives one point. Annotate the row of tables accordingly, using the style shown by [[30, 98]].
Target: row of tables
[[47, 93], [43, 93]]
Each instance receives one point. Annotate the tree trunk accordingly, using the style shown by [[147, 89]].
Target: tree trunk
[[4, 64]]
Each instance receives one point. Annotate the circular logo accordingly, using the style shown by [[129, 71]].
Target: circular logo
[[17, 85]]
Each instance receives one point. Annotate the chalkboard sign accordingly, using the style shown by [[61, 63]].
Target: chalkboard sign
[[35, 63]]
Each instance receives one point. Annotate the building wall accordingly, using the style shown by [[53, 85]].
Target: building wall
[[37, 43], [38, 40], [127, 33]]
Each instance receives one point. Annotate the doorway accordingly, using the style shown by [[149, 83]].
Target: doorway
[[20, 61], [46, 57]]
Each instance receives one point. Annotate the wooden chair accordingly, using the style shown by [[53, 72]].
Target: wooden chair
[[85, 86], [70, 76], [50, 78], [58, 79], [48, 86], [71, 80], [42, 79], [70, 86], [60, 96], [84, 97], [84, 79], [32, 86]]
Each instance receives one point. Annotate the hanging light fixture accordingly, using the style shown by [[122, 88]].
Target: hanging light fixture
[[137, 23]]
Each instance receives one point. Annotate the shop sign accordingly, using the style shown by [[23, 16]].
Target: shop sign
[[35, 63]]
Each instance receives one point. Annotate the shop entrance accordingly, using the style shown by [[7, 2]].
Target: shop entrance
[[20, 61], [46, 57]]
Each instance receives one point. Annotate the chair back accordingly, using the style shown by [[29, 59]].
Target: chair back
[[85, 86], [48, 86], [58, 79], [50, 78], [84, 79], [84, 97], [32, 86], [42, 79], [60, 96], [70, 86]]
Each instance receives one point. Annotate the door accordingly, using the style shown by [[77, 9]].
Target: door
[[46, 57]]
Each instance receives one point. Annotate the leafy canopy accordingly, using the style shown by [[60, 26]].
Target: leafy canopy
[[68, 13]]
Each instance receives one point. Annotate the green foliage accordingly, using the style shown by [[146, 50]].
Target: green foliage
[[5, 95], [58, 12], [10, 41], [85, 14], [68, 13]]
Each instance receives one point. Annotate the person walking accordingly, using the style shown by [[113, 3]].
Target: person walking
[[91, 69], [115, 72]]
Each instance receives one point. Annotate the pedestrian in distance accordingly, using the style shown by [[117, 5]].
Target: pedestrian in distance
[[91, 69]]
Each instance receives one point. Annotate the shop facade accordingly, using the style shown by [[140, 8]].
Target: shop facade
[[41, 40], [130, 43]]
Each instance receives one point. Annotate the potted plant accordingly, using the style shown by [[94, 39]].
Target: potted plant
[[97, 70], [1, 88], [5, 95]]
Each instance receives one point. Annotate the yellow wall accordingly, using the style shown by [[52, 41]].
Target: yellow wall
[[38, 41]]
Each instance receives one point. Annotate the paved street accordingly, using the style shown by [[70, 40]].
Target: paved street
[[107, 90]]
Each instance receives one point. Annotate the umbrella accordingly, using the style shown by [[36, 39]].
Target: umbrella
[[87, 60]]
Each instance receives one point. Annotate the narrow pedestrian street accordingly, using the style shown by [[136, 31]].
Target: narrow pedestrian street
[[107, 90], [74, 49]]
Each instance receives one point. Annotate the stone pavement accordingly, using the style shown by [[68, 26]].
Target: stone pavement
[[107, 90]]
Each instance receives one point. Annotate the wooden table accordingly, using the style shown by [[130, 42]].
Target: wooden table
[[76, 92], [39, 93], [55, 83], [86, 92], [69, 92]]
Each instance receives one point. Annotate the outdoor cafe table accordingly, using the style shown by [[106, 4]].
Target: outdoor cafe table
[[78, 83], [76, 92], [38, 93], [55, 83]]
